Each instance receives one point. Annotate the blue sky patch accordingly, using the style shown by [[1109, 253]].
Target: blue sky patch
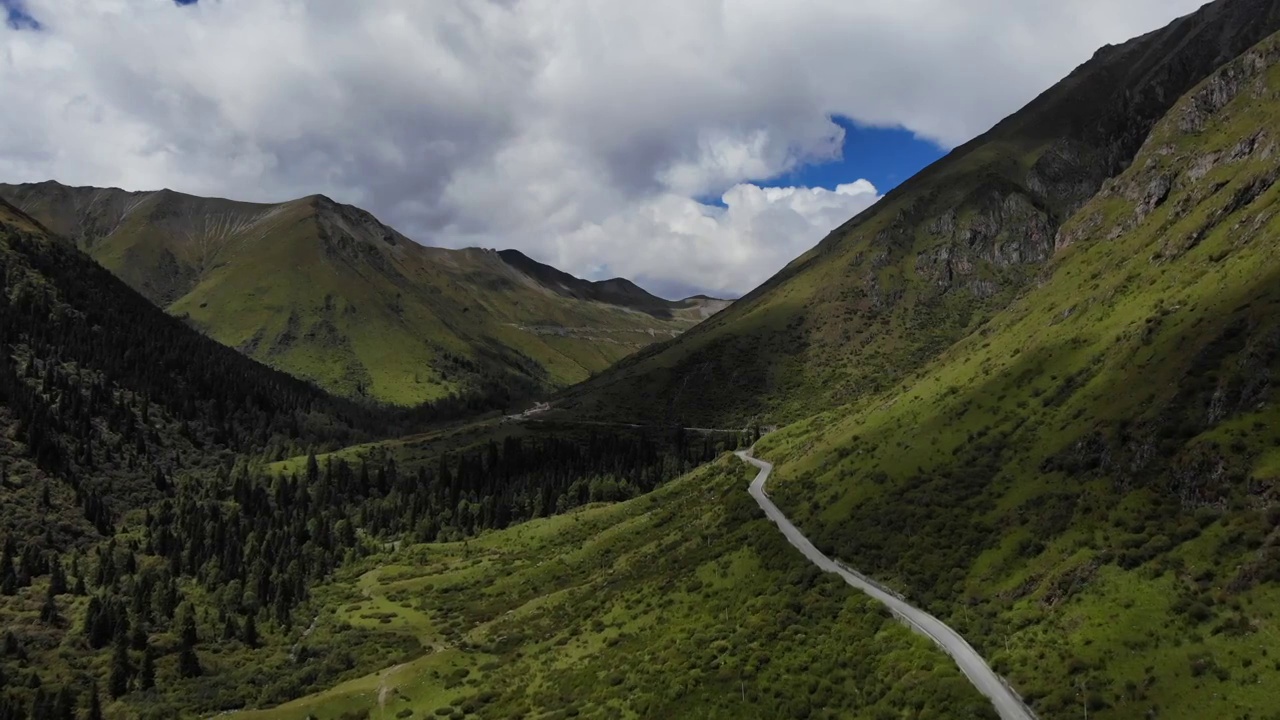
[[885, 156], [17, 17]]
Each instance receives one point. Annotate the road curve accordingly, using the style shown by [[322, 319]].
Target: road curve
[[1007, 703]]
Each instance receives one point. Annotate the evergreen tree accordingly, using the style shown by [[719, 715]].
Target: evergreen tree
[[99, 623], [65, 706], [188, 661], [121, 669], [57, 578], [229, 629], [49, 614], [95, 703], [41, 704], [249, 634], [138, 637], [8, 578], [12, 647], [147, 673]]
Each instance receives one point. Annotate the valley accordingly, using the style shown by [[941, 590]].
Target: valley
[[1003, 445], [553, 617]]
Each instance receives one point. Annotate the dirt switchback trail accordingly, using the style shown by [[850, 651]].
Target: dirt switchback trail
[[1007, 703]]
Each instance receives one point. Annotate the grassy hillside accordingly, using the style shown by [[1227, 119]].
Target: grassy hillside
[[1086, 485], [327, 293], [106, 399], [683, 603], [934, 259], [148, 567], [111, 410]]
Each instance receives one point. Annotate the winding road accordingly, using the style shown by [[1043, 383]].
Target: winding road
[[1007, 703]]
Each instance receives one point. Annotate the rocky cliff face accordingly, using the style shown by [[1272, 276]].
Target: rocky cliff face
[[1012, 216]]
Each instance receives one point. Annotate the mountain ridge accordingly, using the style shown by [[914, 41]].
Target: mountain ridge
[[935, 257], [326, 291], [614, 291], [1088, 482]]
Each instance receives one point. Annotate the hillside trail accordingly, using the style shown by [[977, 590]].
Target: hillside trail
[[384, 690], [1006, 701]]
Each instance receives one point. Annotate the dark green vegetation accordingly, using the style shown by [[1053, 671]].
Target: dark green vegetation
[[110, 407], [933, 260], [141, 551], [1086, 486], [214, 581], [684, 603], [1047, 366], [327, 293]]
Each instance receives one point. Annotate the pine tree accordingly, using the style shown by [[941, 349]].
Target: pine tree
[[249, 635], [188, 661], [138, 637], [49, 614], [8, 578], [95, 703], [41, 704], [12, 647], [65, 706], [57, 578], [98, 626], [121, 669], [229, 629], [147, 673]]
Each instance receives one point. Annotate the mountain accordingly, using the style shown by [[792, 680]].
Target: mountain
[[1064, 443], [326, 292], [1088, 485], [104, 395], [120, 430], [150, 567], [934, 259], [618, 291]]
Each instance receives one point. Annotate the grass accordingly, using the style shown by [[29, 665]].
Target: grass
[[683, 603], [930, 263], [1085, 484], [328, 294]]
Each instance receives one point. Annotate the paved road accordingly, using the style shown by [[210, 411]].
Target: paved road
[[1006, 701]]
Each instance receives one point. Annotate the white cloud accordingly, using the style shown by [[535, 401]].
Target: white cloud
[[553, 126], [679, 246]]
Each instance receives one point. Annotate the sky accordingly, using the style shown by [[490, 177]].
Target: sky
[[695, 146]]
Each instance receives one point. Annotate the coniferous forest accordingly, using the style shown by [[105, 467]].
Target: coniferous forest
[[142, 532]]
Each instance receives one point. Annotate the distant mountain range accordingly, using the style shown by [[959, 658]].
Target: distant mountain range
[[326, 292]]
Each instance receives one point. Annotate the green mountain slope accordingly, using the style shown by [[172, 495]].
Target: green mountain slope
[[1086, 485], [327, 293], [685, 603], [105, 399], [111, 410], [936, 257], [148, 566]]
